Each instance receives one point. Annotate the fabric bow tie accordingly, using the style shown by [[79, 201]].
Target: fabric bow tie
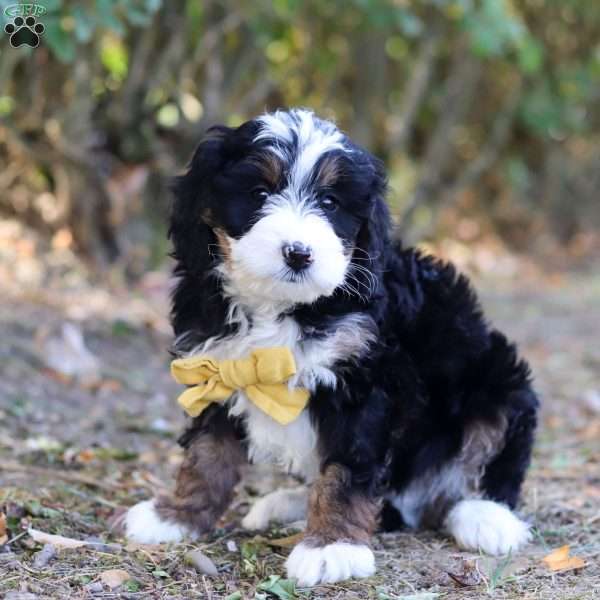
[[262, 376]]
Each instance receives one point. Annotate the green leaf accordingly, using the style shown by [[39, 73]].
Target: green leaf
[[7, 105], [541, 109], [85, 23], [153, 5], [250, 550], [35, 509], [493, 29], [114, 57], [52, 5], [160, 574], [107, 17], [62, 43], [284, 589], [530, 55], [139, 17], [122, 328], [234, 596], [131, 585], [410, 24], [116, 454]]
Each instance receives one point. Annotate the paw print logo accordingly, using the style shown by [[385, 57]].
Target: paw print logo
[[24, 32]]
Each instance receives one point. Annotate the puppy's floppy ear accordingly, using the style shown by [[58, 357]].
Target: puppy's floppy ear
[[190, 229], [374, 235]]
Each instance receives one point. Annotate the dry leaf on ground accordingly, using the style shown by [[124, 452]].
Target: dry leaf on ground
[[560, 560], [44, 556], [286, 542], [56, 540], [114, 578], [201, 562], [3, 534]]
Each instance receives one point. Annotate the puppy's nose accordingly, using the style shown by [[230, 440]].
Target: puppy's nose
[[297, 256]]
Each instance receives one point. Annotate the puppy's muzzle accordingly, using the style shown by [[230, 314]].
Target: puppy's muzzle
[[297, 256]]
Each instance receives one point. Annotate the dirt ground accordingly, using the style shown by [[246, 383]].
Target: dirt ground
[[75, 450]]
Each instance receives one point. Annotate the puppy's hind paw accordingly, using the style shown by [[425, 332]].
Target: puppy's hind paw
[[487, 526], [144, 525]]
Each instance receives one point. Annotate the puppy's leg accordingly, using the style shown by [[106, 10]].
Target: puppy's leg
[[489, 524], [504, 475], [284, 506], [460, 497], [203, 490], [340, 523]]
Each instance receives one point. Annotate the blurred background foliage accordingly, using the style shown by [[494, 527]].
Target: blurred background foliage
[[486, 112]]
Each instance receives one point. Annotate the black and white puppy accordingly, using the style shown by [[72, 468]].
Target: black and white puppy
[[420, 413]]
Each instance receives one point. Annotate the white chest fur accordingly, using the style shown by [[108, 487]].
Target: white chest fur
[[292, 446]]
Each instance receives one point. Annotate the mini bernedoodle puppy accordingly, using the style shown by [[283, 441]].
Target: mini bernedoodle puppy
[[398, 405]]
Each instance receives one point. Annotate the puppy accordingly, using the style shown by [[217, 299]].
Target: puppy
[[408, 408]]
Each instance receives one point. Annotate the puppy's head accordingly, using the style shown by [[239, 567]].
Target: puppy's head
[[285, 207]]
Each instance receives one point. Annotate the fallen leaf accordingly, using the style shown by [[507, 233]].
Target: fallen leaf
[[56, 540], [44, 556], [560, 560], [201, 562], [3, 534], [160, 574], [95, 587], [35, 509], [153, 549], [284, 589], [114, 578], [592, 491], [468, 575], [286, 542], [86, 456]]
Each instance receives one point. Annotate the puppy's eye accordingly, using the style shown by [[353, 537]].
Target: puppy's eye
[[328, 202], [260, 193]]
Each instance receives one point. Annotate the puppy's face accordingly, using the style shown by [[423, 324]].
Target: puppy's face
[[286, 199]]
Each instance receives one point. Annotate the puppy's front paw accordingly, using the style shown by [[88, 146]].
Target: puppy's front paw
[[258, 517], [487, 526], [144, 525], [330, 563], [285, 506]]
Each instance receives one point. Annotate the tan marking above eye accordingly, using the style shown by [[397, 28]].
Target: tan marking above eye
[[329, 172], [269, 166]]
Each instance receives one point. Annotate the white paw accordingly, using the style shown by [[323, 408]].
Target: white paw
[[487, 526], [284, 506], [144, 526], [331, 563]]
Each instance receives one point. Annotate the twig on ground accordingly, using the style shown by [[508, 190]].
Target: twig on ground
[[67, 476]]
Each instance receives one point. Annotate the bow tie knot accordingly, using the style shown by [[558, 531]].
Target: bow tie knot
[[262, 376]]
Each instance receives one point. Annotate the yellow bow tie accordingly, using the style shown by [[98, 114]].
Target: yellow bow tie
[[262, 376]]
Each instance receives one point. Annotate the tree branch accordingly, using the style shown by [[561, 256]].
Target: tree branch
[[459, 89], [416, 88]]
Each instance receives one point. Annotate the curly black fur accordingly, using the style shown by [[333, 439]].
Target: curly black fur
[[437, 369]]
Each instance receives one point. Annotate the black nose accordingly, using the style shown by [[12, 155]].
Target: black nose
[[297, 255]]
